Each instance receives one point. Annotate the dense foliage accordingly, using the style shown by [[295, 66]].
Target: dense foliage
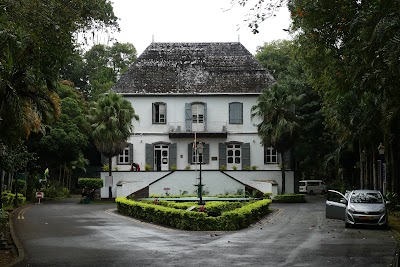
[[350, 54], [91, 183], [41, 123]]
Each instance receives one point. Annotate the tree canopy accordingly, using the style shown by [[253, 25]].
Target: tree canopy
[[35, 40]]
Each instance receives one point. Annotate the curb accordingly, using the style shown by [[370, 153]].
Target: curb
[[20, 250]]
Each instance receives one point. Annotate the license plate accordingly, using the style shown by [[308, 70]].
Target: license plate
[[366, 218]]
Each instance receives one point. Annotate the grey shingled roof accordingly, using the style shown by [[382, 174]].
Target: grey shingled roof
[[190, 68]]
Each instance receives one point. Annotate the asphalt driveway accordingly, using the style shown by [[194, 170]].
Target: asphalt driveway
[[64, 233]]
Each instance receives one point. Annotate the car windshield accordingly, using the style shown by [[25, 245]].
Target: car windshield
[[302, 183], [366, 197]]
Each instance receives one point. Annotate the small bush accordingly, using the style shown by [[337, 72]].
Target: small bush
[[267, 195], [147, 167], [187, 168], [254, 167], [234, 167], [92, 183], [290, 198], [222, 168], [55, 192], [105, 167], [173, 167]]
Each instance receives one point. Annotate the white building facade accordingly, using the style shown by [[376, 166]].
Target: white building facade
[[186, 93]]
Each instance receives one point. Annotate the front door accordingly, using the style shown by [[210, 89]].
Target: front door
[[197, 117], [161, 157], [336, 204], [234, 157]]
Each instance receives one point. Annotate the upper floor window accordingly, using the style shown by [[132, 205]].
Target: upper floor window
[[197, 113], [196, 117], [270, 155], [159, 113], [235, 113]]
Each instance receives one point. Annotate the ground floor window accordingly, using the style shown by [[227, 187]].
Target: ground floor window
[[270, 155], [233, 152], [123, 158]]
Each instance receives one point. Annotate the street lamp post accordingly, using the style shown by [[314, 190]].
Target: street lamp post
[[382, 184], [200, 150]]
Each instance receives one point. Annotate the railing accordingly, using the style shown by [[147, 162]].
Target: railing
[[206, 127]]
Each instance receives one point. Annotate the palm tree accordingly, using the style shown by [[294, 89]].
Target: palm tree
[[279, 125], [111, 118]]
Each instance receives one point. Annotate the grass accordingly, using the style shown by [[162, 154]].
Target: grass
[[394, 224]]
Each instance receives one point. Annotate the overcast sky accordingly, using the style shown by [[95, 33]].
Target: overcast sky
[[142, 21]]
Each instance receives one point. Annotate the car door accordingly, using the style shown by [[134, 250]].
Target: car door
[[336, 204]]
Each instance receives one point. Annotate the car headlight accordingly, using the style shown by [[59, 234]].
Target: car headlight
[[351, 209], [382, 210]]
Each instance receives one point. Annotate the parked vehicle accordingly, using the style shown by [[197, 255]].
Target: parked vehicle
[[358, 207], [312, 187]]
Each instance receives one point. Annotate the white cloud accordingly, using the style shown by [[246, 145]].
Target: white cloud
[[193, 21]]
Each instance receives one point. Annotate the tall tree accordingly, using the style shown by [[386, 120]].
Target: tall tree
[[96, 70], [281, 59], [111, 117], [278, 124], [35, 39]]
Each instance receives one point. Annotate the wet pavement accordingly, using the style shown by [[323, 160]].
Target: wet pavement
[[64, 233]]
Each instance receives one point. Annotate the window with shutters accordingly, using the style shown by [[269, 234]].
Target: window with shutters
[[233, 153], [159, 113], [194, 157], [123, 158], [235, 113], [270, 155]]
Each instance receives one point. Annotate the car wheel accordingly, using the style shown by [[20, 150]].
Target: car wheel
[[311, 192], [347, 225]]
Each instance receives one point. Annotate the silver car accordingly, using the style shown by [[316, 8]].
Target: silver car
[[357, 207]]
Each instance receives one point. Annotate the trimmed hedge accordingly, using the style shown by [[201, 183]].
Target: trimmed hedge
[[217, 206], [192, 220], [290, 198], [8, 198], [94, 183]]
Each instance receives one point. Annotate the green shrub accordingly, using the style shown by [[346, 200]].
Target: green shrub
[[147, 167], [187, 168], [235, 219], [290, 198], [267, 195], [8, 198], [105, 167], [222, 168], [392, 198], [173, 167], [55, 192], [254, 167], [3, 221], [92, 183]]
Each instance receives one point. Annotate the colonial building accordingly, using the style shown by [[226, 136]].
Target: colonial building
[[186, 93]]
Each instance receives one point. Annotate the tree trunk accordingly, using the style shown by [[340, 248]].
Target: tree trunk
[[283, 170], [362, 159], [110, 174]]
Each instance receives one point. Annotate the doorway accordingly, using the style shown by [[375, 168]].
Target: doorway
[[161, 158]]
